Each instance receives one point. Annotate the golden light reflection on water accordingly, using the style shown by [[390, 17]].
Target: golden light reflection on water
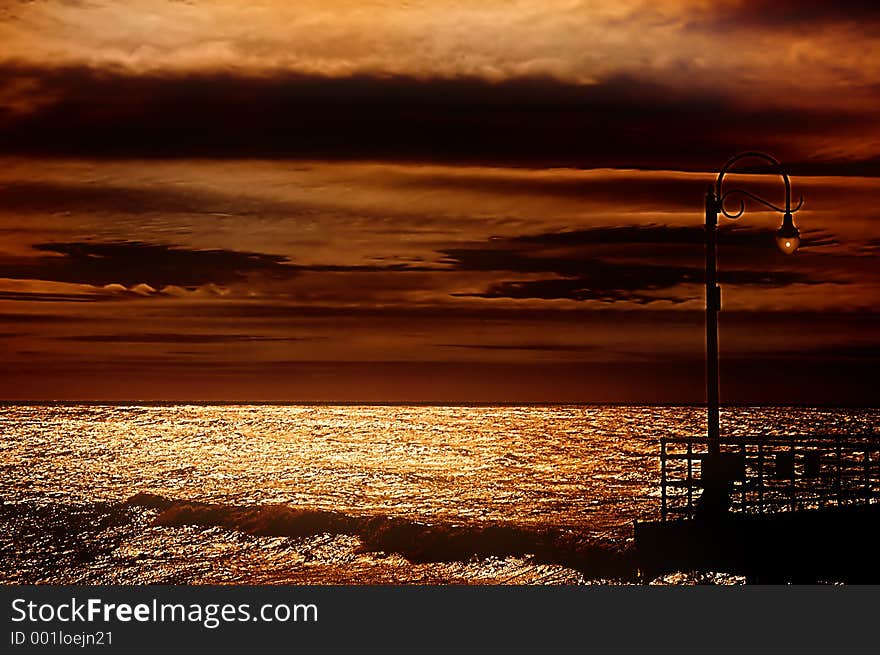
[[586, 469], [525, 465]]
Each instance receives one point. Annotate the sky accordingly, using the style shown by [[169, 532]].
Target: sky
[[433, 201]]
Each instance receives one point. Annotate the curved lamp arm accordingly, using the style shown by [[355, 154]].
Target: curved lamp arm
[[752, 154]]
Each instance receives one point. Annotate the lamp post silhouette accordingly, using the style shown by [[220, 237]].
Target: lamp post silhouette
[[787, 238]]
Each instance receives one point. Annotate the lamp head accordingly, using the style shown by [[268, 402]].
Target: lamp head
[[788, 237]]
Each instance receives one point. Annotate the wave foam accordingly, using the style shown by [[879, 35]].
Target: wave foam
[[417, 542]]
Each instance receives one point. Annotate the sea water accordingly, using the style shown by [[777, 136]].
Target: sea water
[[324, 494]]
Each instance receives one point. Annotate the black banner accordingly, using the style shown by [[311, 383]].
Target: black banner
[[412, 619]]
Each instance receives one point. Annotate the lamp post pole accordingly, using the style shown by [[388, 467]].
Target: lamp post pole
[[787, 238], [713, 306]]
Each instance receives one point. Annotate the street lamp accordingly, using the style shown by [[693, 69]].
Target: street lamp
[[787, 239]]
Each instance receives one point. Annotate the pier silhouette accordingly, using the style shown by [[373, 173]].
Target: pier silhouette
[[803, 509], [775, 509]]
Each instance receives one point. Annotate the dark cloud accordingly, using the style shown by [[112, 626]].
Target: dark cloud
[[665, 235], [627, 263], [790, 14], [618, 121], [158, 265], [132, 263], [620, 263], [601, 284], [871, 248]]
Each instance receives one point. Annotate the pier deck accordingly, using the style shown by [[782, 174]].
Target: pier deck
[[801, 509]]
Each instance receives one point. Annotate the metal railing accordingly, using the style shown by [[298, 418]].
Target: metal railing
[[771, 474]]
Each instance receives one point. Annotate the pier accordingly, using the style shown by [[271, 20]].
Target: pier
[[796, 509]]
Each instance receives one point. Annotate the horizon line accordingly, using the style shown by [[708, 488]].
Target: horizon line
[[420, 403]]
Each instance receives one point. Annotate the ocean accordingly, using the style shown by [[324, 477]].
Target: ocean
[[347, 494]]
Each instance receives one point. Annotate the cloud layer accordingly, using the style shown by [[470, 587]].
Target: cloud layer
[[340, 199], [614, 121]]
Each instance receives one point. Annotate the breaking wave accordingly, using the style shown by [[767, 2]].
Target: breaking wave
[[417, 542]]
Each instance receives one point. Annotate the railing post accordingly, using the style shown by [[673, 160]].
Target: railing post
[[837, 482], [877, 468], [663, 479], [690, 478], [760, 478]]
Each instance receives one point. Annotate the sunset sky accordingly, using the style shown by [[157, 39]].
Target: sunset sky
[[432, 201]]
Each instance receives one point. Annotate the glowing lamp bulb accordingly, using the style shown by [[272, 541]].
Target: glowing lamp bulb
[[788, 237]]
